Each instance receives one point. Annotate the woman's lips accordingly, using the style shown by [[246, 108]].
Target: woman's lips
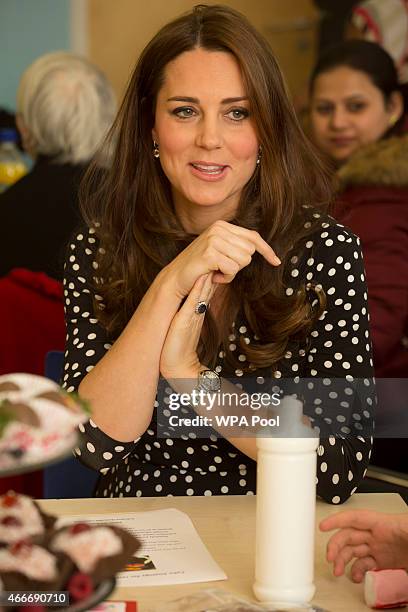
[[342, 142], [207, 171]]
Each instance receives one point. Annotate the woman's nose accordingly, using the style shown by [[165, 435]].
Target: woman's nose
[[338, 118], [209, 134]]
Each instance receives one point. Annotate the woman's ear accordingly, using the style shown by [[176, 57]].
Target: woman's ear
[[154, 134], [395, 107]]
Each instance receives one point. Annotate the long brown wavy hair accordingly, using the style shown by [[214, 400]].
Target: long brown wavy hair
[[132, 209]]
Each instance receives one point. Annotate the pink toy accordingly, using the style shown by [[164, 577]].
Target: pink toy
[[386, 588]]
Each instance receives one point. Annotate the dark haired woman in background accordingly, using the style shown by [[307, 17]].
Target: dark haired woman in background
[[357, 115], [211, 170]]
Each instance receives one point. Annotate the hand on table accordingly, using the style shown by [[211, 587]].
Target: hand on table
[[224, 249], [373, 539]]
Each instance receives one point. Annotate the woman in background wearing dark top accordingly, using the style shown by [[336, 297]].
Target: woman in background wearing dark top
[[357, 118], [65, 106]]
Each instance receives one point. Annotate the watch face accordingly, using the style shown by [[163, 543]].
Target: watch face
[[209, 381]]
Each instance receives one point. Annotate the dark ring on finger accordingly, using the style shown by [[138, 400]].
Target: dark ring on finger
[[201, 308]]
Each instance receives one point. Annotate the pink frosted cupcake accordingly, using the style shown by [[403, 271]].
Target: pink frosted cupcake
[[97, 550], [26, 566], [38, 421], [21, 518]]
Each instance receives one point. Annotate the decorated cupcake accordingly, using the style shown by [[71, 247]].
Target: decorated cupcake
[[38, 420], [76, 558], [97, 550], [21, 518]]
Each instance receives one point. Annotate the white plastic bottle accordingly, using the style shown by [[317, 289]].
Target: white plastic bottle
[[285, 510]]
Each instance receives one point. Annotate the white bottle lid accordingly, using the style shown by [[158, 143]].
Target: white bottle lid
[[291, 427]]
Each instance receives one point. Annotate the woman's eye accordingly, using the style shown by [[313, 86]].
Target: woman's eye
[[237, 114], [356, 107], [184, 112], [323, 110]]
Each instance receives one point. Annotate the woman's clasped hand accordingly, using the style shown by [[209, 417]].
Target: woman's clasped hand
[[216, 256], [223, 248]]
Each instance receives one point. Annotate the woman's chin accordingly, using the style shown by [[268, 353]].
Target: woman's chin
[[206, 200], [340, 157]]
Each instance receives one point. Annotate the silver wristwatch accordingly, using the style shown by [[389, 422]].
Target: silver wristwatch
[[208, 381]]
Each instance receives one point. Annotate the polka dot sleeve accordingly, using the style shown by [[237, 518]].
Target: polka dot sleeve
[[86, 344], [340, 394]]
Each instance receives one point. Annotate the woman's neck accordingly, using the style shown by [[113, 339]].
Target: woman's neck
[[195, 218]]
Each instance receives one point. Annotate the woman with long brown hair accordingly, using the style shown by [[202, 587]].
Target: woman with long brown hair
[[213, 195]]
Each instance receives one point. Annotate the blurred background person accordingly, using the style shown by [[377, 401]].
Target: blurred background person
[[65, 106], [385, 23], [357, 113], [380, 21], [355, 99]]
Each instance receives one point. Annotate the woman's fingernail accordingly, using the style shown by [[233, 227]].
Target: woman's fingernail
[[277, 260]]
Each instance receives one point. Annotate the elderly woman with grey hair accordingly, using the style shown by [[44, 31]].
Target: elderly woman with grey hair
[[65, 107]]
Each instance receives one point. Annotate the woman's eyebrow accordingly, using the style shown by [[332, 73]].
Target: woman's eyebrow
[[197, 101], [356, 95], [347, 97]]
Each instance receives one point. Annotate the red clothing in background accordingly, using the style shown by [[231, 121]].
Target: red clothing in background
[[374, 205], [31, 324], [31, 320]]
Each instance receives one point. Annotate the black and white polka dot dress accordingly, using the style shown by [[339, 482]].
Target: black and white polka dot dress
[[333, 372]]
